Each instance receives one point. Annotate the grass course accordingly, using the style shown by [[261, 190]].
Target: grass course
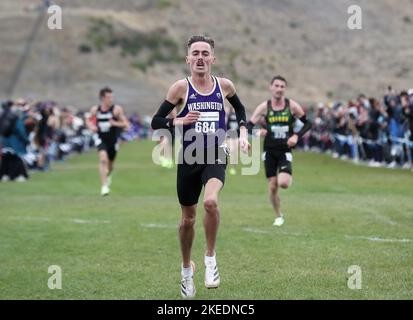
[[125, 246]]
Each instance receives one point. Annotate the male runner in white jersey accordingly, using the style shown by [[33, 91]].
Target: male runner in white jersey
[[280, 114], [110, 120], [200, 103]]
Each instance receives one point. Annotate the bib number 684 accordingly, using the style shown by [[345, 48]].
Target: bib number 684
[[205, 127]]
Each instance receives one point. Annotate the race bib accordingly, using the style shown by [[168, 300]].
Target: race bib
[[104, 126], [208, 122], [279, 132]]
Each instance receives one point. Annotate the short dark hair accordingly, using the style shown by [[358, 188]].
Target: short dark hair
[[104, 91], [278, 77], [206, 39]]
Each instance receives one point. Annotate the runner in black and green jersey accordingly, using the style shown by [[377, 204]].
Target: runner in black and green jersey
[[280, 115]]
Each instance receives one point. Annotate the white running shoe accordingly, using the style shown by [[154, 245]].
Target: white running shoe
[[392, 165], [187, 284], [212, 279], [20, 179], [105, 190], [406, 166], [279, 221]]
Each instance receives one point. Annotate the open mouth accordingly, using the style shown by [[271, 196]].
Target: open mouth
[[200, 64]]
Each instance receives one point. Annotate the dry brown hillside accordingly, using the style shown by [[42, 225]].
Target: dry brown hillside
[[307, 41]]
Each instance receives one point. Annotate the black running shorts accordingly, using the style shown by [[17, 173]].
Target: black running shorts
[[191, 178], [276, 162], [110, 148]]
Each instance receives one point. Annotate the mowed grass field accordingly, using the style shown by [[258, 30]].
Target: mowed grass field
[[125, 246]]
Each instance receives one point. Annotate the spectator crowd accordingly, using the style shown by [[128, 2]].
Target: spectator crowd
[[376, 132], [32, 135], [365, 130]]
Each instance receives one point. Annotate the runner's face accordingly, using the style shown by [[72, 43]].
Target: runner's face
[[200, 58], [107, 99], [277, 89]]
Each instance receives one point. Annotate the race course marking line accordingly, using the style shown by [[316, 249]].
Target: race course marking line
[[255, 230], [81, 221], [252, 230], [156, 225], [378, 239], [88, 221]]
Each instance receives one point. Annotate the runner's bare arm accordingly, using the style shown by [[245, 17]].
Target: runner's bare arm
[[123, 121], [175, 95], [296, 109], [298, 113], [257, 114]]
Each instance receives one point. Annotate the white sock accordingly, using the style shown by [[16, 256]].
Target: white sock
[[210, 260], [187, 272]]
